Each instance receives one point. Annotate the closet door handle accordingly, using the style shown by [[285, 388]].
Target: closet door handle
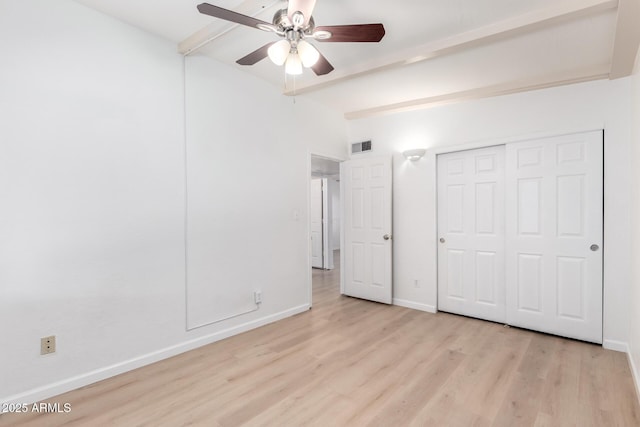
[[594, 248], [442, 240]]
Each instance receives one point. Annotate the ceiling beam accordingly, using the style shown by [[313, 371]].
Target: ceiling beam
[[493, 32], [627, 39], [219, 28], [560, 79]]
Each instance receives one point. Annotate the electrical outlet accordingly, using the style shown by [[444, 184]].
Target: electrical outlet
[[48, 345], [257, 297]]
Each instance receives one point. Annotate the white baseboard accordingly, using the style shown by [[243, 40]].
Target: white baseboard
[[73, 383], [414, 305], [616, 345], [635, 374]]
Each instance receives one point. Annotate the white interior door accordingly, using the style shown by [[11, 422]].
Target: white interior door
[[316, 223], [367, 228], [471, 233], [554, 235]]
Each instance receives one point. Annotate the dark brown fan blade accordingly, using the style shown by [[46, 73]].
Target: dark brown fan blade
[[229, 15], [255, 56], [304, 6], [322, 67], [353, 33]]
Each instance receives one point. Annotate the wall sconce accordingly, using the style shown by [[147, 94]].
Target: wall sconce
[[414, 155]]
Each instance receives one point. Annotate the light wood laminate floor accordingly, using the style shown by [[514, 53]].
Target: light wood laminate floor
[[349, 362]]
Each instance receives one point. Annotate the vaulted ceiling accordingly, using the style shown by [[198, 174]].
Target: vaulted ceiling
[[434, 51]]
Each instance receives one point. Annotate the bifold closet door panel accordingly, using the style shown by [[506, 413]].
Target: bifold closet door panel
[[554, 212], [471, 233]]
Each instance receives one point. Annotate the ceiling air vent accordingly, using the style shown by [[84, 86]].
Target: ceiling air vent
[[360, 147]]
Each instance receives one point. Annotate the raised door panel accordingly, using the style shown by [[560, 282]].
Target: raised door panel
[[357, 266], [377, 209], [378, 270], [529, 284], [570, 190], [571, 287], [529, 206], [455, 274], [486, 208], [455, 208], [487, 270]]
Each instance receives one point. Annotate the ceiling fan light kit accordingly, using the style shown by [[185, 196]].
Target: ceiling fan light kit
[[294, 53], [293, 66], [279, 51], [309, 55], [295, 24]]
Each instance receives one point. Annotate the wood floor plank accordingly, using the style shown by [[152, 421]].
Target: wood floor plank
[[349, 362], [408, 399]]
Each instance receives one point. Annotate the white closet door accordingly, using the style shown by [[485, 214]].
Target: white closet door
[[471, 233], [554, 235]]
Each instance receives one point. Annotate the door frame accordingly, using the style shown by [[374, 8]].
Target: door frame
[[312, 216], [326, 224], [327, 228], [310, 154]]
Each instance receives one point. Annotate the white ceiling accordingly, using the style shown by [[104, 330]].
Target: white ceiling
[[434, 51]]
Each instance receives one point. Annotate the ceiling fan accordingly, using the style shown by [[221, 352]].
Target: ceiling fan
[[295, 25]]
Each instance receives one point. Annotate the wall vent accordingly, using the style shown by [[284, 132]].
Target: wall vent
[[360, 147]]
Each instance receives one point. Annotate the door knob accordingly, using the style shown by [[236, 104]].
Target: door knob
[[442, 240], [386, 236], [594, 248]]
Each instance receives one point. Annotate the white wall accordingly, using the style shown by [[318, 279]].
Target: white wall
[[588, 106], [634, 188], [92, 184], [244, 184]]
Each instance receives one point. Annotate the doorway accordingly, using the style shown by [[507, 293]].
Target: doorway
[[325, 223]]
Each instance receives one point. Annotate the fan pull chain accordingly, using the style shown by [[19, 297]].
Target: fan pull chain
[[294, 86]]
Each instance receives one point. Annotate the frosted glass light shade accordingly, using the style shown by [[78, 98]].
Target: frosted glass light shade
[[279, 51], [414, 155], [308, 54], [293, 65]]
